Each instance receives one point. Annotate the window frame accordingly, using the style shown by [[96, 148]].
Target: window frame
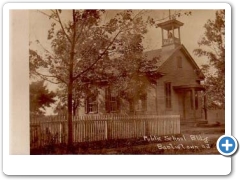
[[143, 100], [111, 102], [168, 95], [91, 106], [179, 62]]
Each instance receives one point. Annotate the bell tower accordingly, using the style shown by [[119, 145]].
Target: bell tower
[[171, 37]]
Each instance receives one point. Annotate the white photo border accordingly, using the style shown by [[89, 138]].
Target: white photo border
[[111, 164]]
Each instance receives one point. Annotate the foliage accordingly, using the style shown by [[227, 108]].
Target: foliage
[[35, 62], [213, 39], [135, 83], [90, 48], [40, 98]]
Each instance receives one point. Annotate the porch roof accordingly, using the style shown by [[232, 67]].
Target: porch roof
[[197, 87]]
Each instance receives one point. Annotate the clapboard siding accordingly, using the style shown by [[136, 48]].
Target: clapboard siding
[[178, 76]]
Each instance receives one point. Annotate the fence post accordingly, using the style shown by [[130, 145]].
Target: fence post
[[110, 127], [106, 130], [146, 127]]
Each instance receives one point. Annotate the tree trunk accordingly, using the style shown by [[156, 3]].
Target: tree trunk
[[70, 131], [70, 88]]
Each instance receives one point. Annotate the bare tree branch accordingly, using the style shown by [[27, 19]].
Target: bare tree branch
[[48, 15], [54, 56], [60, 22], [45, 48], [45, 77]]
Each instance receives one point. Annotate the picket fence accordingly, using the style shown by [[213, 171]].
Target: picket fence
[[54, 130]]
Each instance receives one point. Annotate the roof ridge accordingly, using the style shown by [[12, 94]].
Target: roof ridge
[[152, 50]]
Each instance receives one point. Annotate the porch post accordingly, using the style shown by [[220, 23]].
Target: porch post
[[173, 32], [162, 37], [156, 100], [205, 105], [193, 103], [179, 36]]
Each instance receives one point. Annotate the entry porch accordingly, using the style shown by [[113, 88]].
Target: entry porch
[[192, 103]]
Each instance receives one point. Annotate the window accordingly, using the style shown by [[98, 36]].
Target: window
[[141, 104], [111, 101], [168, 95], [179, 62], [91, 105]]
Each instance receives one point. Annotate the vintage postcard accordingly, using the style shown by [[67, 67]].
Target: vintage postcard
[[138, 81], [127, 81]]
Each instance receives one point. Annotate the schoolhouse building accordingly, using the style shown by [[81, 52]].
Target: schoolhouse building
[[178, 91]]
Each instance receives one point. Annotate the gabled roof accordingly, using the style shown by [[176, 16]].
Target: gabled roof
[[164, 56]]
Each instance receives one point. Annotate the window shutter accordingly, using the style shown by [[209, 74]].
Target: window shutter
[[97, 106], [145, 102], [86, 106], [107, 100], [168, 95], [131, 104], [118, 103]]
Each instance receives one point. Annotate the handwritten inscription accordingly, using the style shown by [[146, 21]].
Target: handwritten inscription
[[164, 138], [178, 146], [182, 146], [186, 142], [175, 138], [199, 138]]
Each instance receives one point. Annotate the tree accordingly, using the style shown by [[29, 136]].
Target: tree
[[213, 47], [90, 47], [35, 62], [40, 98], [135, 83]]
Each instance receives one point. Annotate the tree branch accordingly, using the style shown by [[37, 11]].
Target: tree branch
[[141, 11], [54, 56], [89, 49], [80, 30], [45, 77], [60, 22], [99, 57], [48, 15], [38, 42]]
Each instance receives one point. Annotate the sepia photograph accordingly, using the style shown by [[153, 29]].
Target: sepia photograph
[[126, 81]]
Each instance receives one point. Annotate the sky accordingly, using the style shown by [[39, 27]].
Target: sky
[[191, 31]]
